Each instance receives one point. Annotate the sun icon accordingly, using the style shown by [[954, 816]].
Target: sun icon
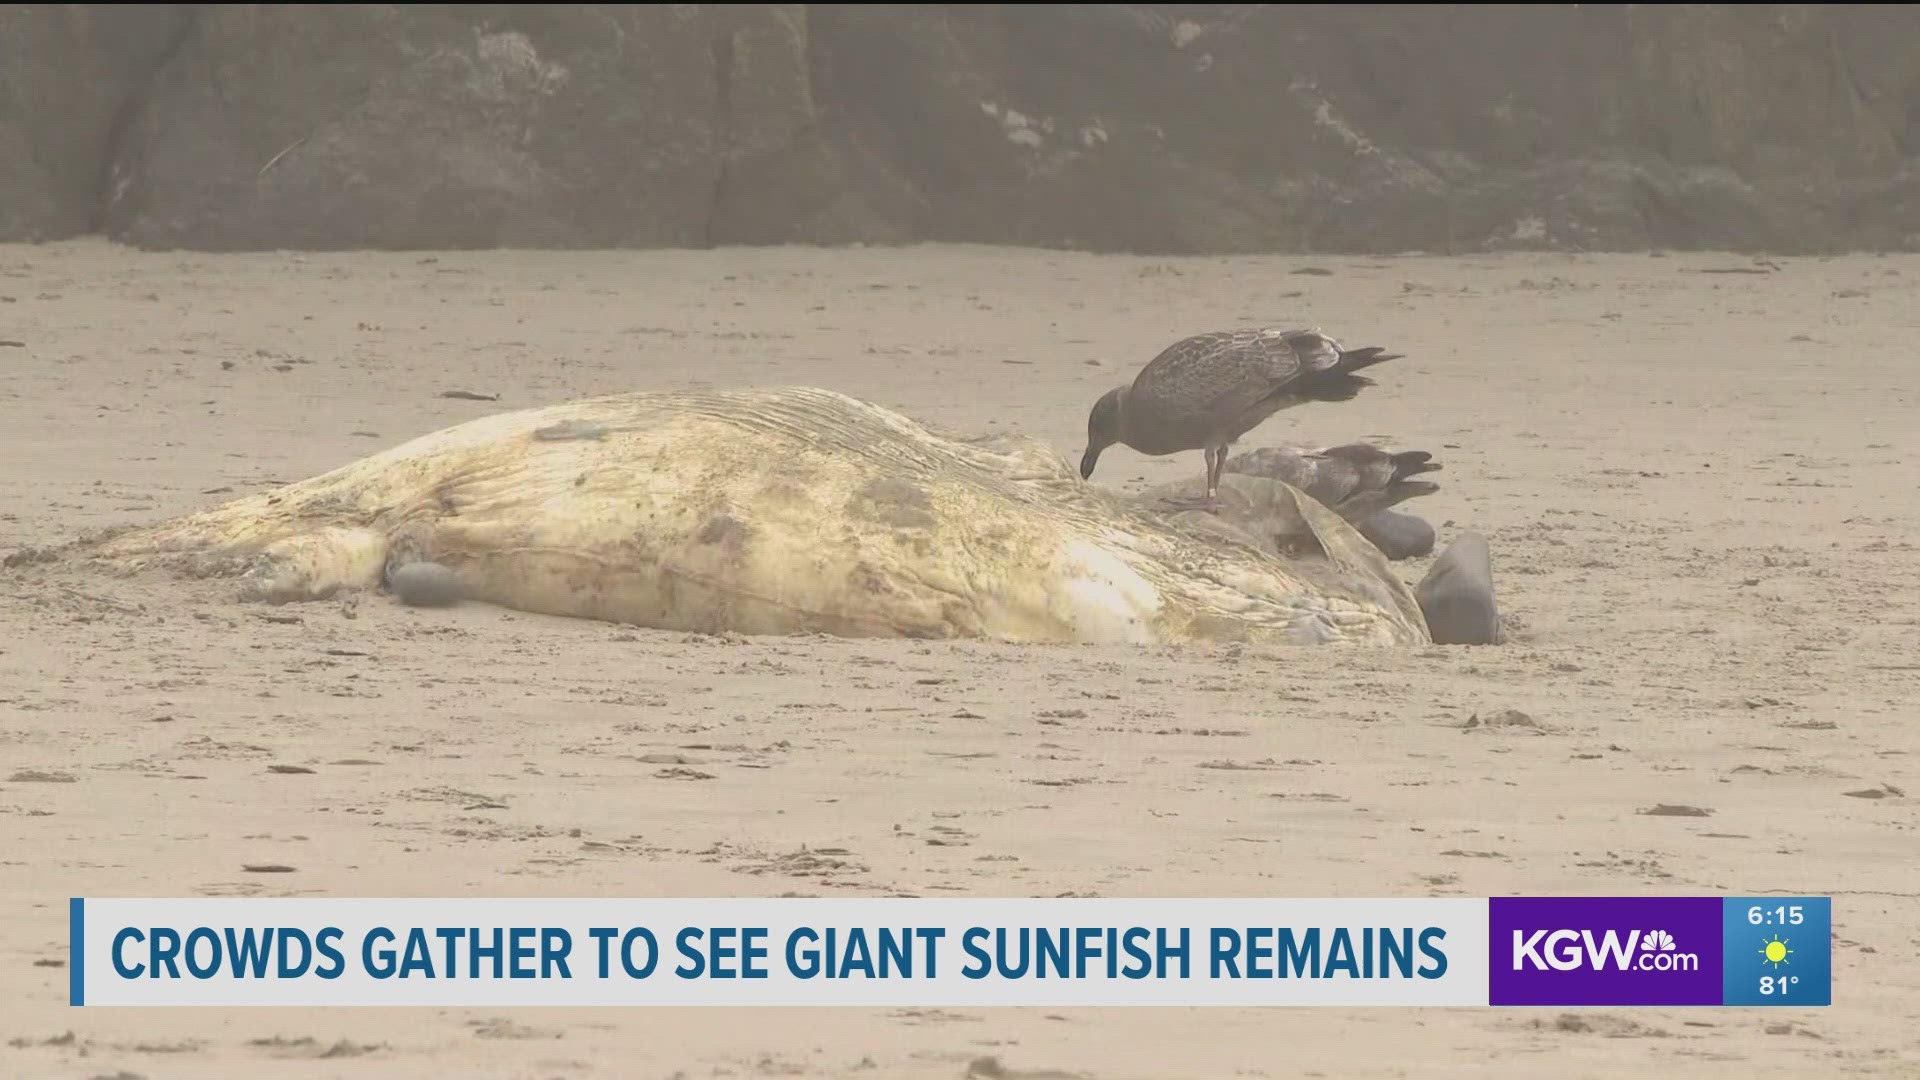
[[1775, 952]]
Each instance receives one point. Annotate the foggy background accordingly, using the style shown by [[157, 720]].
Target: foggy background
[[1694, 474], [1147, 129]]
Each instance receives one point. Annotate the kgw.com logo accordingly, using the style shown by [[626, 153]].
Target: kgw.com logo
[[1573, 950]]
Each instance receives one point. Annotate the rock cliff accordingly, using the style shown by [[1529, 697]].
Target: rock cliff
[[1144, 128]]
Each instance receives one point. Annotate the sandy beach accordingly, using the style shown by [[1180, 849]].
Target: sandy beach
[[1695, 472]]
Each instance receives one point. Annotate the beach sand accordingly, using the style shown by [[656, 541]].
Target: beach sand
[[1695, 471]]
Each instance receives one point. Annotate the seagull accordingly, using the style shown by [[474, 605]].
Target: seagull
[[1355, 480], [1204, 392]]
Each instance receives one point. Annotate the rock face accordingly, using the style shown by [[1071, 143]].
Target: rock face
[[70, 77], [1145, 128], [435, 126]]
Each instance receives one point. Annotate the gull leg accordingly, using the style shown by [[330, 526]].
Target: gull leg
[[1216, 456]]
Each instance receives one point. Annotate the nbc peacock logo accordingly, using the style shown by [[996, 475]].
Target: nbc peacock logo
[[1658, 953], [1569, 950]]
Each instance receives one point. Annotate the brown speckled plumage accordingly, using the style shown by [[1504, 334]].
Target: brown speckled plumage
[[1356, 480], [1205, 391]]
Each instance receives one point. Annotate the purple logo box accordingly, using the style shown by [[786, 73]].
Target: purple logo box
[[1616, 950]]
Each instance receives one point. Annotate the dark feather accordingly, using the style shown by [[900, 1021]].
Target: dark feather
[[1412, 463], [1338, 383], [1355, 359], [1207, 390], [1328, 387]]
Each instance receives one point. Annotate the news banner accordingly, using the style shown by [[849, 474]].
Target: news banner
[[1497, 951]]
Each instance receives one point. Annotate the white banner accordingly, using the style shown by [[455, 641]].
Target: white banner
[[943, 952]]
